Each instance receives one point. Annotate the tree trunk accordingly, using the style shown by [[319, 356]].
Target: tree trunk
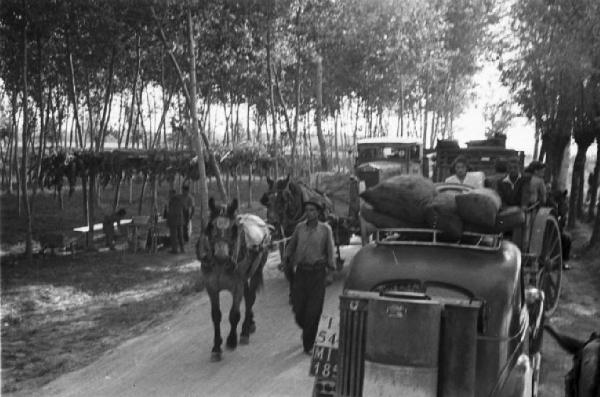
[[133, 90], [196, 138], [24, 154], [91, 199], [576, 182], [272, 100], [594, 186], [318, 110], [73, 92], [117, 193], [142, 191]]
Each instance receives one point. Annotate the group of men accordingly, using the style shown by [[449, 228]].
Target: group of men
[[513, 187], [178, 213], [526, 190]]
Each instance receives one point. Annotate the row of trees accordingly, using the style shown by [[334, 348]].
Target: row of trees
[[551, 63], [147, 73]]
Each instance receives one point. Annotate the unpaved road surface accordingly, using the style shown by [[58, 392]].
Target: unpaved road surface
[[173, 359]]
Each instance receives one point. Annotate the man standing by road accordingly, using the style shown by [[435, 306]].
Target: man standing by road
[[310, 252], [108, 227], [175, 221], [188, 211]]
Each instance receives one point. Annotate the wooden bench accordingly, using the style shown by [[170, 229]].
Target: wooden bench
[[98, 227]]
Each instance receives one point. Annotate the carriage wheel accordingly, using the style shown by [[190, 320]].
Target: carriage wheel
[[550, 266]]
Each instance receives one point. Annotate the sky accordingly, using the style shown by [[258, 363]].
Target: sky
[[471, 124]]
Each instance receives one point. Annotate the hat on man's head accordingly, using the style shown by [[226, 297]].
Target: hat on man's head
[[314, 202], [535, 165]]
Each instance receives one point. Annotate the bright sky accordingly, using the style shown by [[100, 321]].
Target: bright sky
[[471, 124]]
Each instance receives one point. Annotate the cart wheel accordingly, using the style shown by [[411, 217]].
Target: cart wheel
[[550, 265]]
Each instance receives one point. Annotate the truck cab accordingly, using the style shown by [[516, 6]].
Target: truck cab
[[383, 157]]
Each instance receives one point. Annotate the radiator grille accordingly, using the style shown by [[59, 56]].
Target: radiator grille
[[353, 326]]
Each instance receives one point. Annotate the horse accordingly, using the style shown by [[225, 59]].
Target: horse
[[583, 380], [233, 251], [285, 200]]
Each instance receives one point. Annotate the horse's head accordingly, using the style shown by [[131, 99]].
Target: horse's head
[[222, 230], [268, 200], [583, 380]]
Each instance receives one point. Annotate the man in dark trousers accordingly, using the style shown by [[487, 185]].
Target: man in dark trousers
[[188, 211], [310, 252], [108, 227], [175, 221]]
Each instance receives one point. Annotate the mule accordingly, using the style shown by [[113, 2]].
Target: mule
[[583, 380], [233, 252]]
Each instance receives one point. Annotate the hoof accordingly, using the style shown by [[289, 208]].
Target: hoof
[[231, 343], [244, 340], [216, 356]]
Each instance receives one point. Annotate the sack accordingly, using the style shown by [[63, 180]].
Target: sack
[[381, 220], [256, 230], [442, 214], [403, 196], [508, 219], [479, 207]]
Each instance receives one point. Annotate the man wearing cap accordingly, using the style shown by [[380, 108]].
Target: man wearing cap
[[310, 252]]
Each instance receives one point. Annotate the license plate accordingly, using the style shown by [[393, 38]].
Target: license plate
[[324, 363]]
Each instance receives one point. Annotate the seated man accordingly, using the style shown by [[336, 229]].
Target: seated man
[[511, 187]]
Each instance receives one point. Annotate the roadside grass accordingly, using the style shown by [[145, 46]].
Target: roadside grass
[[62, 312]]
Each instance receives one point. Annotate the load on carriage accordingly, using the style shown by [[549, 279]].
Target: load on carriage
[[448, 295]]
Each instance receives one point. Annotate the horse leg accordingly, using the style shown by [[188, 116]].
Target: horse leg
[[215, 312], [248, 325], [234, 316]]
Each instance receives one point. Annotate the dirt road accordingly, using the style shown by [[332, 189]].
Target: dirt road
[[174, 358]]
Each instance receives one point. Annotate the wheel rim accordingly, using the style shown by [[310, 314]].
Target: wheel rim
[[550, 261]]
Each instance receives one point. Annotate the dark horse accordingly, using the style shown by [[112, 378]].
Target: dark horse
[[583, 380], [233, 252], [285, 209]]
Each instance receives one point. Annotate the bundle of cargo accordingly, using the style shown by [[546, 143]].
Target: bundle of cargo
[[404, 197], [442, 214], [382, 221], [479, 207], [506, 220]]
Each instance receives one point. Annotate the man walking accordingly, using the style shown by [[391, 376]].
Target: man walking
[[175, 221], [310, 252]]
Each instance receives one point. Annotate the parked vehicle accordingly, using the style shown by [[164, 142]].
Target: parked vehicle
[[423, 315]]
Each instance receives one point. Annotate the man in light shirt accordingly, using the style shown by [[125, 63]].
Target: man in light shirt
[[461, 176], [310, 252]]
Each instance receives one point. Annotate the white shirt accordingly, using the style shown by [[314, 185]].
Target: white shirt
[[473, 179]]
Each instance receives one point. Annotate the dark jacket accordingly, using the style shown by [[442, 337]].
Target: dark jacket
[[175, 211], [512, 193]]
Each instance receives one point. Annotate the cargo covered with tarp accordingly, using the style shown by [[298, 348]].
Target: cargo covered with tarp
[[411, 201]]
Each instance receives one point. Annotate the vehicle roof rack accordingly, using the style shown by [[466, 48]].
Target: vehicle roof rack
[[435, 237]]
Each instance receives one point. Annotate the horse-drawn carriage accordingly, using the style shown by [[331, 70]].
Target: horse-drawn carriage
[[425, 315]]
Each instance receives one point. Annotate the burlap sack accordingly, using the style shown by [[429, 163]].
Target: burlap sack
[[442, 214], [508, 219], [479, 207], [381, 220], [403, 196]]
